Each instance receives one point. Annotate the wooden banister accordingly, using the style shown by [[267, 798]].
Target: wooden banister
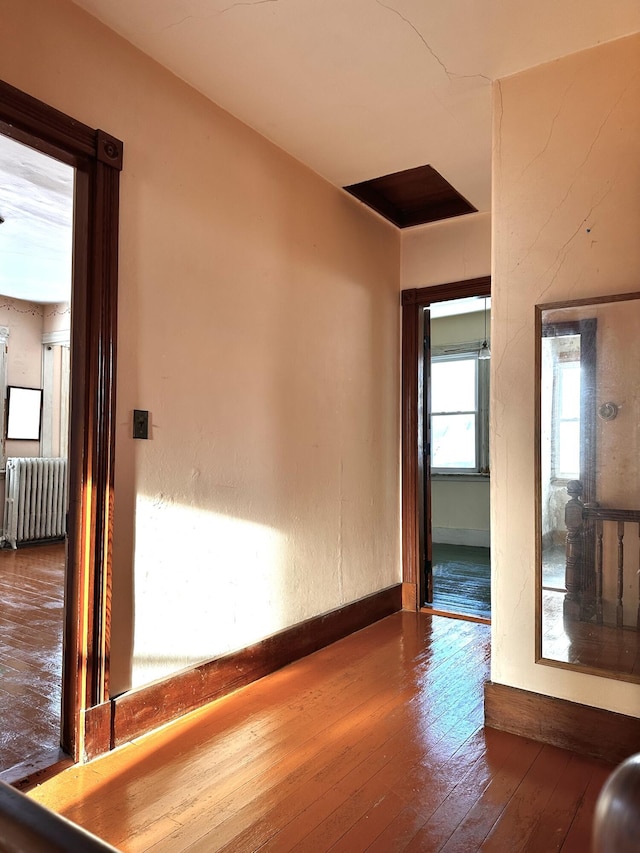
[[616, 823], [574, 522], [584, 523], [28, 827], [594, 512]]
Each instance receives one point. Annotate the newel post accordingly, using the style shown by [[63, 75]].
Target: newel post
[[573, 519]]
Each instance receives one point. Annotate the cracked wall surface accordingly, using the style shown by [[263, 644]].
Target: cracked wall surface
[[450, 250], [566, 225]]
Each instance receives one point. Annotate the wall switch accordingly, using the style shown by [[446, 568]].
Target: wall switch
[[140, 423]]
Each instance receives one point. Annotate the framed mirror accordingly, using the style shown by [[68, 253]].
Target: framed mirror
[[588, 485]]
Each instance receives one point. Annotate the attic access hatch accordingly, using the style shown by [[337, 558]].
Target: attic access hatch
[[412, 197]]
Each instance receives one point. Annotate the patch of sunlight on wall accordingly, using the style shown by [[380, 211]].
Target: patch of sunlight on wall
[[205, 584]]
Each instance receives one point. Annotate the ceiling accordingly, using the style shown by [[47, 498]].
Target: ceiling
[[359, 89], [36, 203], [355, 89]]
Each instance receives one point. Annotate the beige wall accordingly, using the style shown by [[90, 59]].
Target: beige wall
[[461, 328], [24, 349], [460, 512], [450, 250], [57, 322], [57, 317], [24, 357], [258, 322], [566, 221]]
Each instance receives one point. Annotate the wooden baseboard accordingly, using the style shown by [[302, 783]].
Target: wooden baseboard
[[409, 596], [464, 617], [459, 536], [97, 730], [570, 725], [147, 708]]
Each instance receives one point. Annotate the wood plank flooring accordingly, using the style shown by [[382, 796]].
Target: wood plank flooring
[[375, 744], [462, 580], [586, 643], [31, 620]]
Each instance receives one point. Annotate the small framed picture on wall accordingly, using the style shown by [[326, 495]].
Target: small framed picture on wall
[[24, 413]]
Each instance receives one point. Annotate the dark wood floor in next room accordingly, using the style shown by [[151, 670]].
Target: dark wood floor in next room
[[31, 607], [374, 743], [462, 580]]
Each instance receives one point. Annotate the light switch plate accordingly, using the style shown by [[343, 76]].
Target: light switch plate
[[140, 423]]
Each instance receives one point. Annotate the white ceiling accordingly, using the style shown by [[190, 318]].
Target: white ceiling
[[36, 202], [357, 89]]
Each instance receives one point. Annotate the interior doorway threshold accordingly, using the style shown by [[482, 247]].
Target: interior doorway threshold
[[32, 772], [466, 617]]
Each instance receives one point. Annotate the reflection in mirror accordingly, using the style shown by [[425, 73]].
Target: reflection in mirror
[[588, 495]]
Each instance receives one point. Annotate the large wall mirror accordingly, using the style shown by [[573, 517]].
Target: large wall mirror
[[588, 485]]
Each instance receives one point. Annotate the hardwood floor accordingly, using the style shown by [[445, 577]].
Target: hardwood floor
[[462, 580], [375, 743], [31, 608], [586, 643]]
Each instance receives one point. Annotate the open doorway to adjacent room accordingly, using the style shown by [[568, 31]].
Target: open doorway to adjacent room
[[36, 252], [454, 435]]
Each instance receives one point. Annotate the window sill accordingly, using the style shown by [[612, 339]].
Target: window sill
[[460, 478]]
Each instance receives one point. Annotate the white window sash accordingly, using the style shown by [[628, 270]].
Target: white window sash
[[470, 349]]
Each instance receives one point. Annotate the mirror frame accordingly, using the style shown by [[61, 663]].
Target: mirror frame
[[587, 328]]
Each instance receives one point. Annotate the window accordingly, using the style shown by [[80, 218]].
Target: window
[[566, 441], [459, 413]]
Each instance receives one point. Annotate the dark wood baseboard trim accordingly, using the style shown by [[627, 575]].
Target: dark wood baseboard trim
[[570, 725], [139, 711], [97, 730]]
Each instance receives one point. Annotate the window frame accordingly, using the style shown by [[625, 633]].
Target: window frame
[[464, 352], [557, 475]]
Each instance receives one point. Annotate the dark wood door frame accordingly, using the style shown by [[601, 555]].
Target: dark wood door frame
[[97, 158], [413, 473], [582, 604]]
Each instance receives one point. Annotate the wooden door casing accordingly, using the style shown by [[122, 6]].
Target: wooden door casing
[[97, 158], [413, 457]]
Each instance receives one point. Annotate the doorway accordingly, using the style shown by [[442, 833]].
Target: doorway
[[456, 374], [36, 240], [95, 159], [420, 425]]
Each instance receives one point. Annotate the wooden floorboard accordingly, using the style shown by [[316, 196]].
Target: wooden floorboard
[[554, 821], [31, 622], [375, 743], [462, 580]]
